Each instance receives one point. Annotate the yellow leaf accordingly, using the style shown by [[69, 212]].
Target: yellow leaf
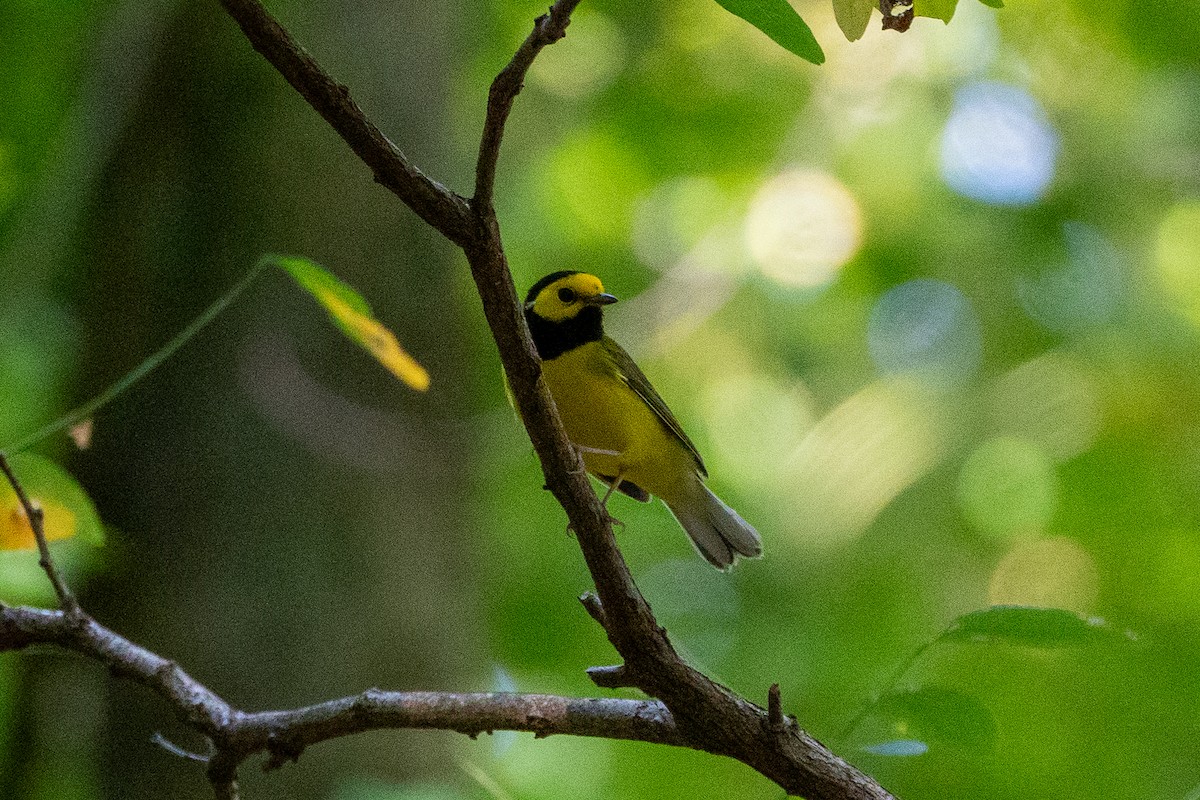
[[352, 314], [17, 534], [377, 340], [66, 509]]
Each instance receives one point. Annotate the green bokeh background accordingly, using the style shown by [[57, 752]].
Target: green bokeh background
[[290, 524]]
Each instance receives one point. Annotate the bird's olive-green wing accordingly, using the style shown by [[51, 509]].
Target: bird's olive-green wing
[[637, 380]]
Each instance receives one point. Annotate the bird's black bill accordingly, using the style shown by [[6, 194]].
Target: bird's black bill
[[604, 299]]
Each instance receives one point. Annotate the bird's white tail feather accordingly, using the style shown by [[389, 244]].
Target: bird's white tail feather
[[718, 532]]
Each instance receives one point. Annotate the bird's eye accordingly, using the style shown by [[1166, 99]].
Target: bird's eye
[[566, 295]]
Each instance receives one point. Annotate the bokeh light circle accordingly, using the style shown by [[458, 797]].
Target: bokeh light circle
[[998, 146], [674, 217], [859, 457], [1177, 255], [754, 423], [802, 227], [1051, 401], [1007, 488], [1084, 292], [597, 55], [927, 328]]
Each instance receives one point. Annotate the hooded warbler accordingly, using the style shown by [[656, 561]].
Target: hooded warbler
[[625, 433]]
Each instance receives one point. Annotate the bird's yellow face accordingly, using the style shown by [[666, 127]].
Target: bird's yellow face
[[565, 297]]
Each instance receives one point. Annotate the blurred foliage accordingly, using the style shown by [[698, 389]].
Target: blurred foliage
[[929, 311]]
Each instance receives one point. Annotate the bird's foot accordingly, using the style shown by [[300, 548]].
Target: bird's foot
[[570, 531]]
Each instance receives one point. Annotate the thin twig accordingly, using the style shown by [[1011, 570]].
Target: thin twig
[[151, 363], [176, 750], [887, 687], [33, 513], [547, 29], [775, 708]]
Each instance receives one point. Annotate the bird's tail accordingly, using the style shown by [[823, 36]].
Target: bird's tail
[[718, 532]]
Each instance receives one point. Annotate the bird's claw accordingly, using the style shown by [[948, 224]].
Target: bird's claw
[[570, 531]]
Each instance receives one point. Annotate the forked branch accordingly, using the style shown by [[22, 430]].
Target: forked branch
[[283, 735], [694, 711], [547, 29]]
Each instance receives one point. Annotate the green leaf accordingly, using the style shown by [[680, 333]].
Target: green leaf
[[66, 509], [939, 716], [937, 9], [852, 16], [350, 312], [993, 3], [1035, 627], [321, 283], [778, 20]]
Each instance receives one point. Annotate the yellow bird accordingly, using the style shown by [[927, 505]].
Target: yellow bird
[[627, 436]]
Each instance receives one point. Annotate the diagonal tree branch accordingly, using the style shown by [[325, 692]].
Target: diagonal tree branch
[[710, 716], [194, 704], [695, 711], [434, 203]]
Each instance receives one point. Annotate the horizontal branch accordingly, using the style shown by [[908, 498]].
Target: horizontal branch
[[284, 735]]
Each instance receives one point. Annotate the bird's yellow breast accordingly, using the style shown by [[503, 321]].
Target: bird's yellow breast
[[601, 413]]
